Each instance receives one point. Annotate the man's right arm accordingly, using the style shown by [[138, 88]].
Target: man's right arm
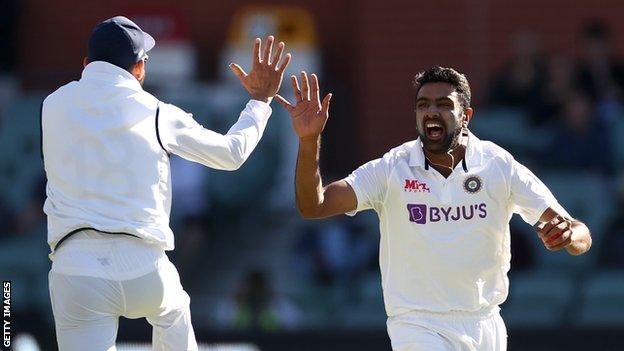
[[309, 115], [313, 199]]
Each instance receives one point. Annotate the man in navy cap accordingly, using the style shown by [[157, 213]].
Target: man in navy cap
[[106, 144]]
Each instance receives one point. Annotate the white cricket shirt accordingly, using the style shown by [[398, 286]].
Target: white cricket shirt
[[445, 244], [105, 145]]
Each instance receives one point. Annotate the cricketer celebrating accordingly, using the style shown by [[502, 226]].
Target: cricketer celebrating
[[106, 144], [444, 203]]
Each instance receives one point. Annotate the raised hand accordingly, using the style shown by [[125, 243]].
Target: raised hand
[[309, 114], [265, 78]]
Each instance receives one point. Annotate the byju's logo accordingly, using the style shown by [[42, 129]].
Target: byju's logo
[[418, 213]]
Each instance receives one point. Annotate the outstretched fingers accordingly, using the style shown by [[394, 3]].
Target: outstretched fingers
[[281, 67], [315, 90], [238, 71], [296, 89], [278, 54], [255, 59], [287, 105], [325, 104], [267, 50], [305, 87]]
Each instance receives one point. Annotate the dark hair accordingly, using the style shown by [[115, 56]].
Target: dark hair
[[445, 75]]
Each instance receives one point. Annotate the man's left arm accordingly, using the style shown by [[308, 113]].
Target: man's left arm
[[181, 135], [559, 231]]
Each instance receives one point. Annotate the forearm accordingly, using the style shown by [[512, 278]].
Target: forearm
[[308, 181], [221, 151], [581, 239], [243, 137]]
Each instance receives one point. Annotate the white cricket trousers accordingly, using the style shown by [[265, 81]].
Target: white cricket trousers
[[423, 331], [87, 308]]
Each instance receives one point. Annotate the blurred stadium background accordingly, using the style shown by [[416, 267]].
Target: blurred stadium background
[[548, 84]]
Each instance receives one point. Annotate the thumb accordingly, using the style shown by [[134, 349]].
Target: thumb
[[238, 71], [325, 104], [284, 102]]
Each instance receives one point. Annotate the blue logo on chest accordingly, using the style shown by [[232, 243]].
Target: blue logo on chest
[[420, 213]]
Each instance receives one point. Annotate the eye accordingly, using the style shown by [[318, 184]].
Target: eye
[[421, 105]]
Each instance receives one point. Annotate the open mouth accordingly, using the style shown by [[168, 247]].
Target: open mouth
[[434, 130]]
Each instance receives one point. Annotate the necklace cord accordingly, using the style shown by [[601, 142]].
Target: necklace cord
[[449, 152]]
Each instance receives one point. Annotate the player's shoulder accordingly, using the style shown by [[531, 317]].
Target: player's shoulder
[[495, 152], [174, 114], [389, 159], [170, 108], [147, 99], [400, 153], [62, 93]]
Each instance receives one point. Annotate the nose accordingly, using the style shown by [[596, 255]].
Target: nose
[[432, 111]]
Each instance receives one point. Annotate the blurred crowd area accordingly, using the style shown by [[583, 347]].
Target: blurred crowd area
[[247, 259]]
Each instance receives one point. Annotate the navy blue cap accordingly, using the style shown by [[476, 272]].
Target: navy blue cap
[[119, 41]]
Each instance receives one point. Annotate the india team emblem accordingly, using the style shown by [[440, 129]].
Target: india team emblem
[[473, 184]]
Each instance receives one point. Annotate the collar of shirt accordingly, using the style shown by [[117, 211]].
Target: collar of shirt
[[473, 157], [109, 73]]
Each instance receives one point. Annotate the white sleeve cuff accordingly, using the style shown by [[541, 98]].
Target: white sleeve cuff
[[259, 110], [537, 214], [358, 196]]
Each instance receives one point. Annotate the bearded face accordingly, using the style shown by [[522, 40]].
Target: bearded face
[[439, 117]]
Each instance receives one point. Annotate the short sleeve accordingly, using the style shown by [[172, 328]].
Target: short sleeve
[[369, 182], [529, 196]]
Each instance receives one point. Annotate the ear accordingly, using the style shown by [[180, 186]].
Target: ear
[[138, 70], [468, 112], [85, 62]]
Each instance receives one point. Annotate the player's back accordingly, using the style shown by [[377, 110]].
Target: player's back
[[104, 164]]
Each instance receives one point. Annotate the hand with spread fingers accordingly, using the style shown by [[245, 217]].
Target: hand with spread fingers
[[309, 114], [265, 78], [556, 234]]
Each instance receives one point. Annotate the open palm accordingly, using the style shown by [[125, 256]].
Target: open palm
[[265, 78], [309, 114]]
